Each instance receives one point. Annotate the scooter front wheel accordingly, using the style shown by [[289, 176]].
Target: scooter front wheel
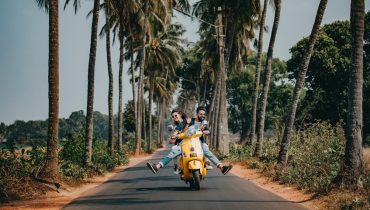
[[196, 180]]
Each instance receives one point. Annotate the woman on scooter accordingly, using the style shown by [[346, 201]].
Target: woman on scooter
[[182, 125]]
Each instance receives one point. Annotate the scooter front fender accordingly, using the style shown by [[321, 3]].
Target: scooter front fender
[[195, 165]]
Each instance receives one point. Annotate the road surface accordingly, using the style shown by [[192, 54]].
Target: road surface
[[137, 188]]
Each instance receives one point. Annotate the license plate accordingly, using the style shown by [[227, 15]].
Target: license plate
[[193, 154]]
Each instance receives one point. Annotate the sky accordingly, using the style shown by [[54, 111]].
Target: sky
[[24, 54]]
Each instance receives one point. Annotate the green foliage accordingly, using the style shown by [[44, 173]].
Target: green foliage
[[34, 132], [328, 73], [130, 141], [240, 88], [314, 160], [315, 157], [103, 161], [129, 115], [15, 176], [240, 153], [72, 158]]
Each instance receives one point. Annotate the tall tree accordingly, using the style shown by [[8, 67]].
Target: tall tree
[[90, 85], [266, 84], [237, 19], [51, 168], [141, 81], [124, 22], [353, 163], [89, 130], [283, 153], [108, 7], [164, 55], [262, 19], [155, 13]]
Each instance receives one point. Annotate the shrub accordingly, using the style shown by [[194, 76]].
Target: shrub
[[72, 158], [315, 157], [14, 173]]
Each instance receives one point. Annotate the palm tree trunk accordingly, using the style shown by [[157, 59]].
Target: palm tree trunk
[[120, 87], [162, 127], [90, 86], [353, 163], [216, 139], [133, 76], [203, 101], [257, 75], [144, 120], [266, 84], [141, 85], [213, 115], [159, 121], [283, 154], [50, 170], [110, 76], [151, 89]]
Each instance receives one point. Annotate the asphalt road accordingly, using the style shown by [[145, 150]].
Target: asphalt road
[[138, 188]]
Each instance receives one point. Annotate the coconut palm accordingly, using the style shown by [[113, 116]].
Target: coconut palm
[[91, 77], [229, 12], [261, 124], [353, 163], [108, 7], [164, 54], [90, 84], [123, 19], [156, 12], [283, 153], [164, 89], [258, 72], [51, 168]]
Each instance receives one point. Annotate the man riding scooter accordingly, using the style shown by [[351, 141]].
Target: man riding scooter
[[182, 125]]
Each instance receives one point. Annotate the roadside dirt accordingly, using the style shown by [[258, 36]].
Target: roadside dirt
[[287, 192], [54, 200]]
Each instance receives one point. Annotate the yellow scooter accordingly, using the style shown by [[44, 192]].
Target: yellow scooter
[[191, 162]]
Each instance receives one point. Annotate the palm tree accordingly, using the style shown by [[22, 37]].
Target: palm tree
[[124, 22], [90, 85], [159, 13], [91, 74], [258, 73], [141, 86], [261, 124], [353, 163], [164, 54], [240, 34], [51, 168], [283, 154], [108, 6]]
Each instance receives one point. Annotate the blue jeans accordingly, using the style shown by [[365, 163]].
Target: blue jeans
[[176, 151]]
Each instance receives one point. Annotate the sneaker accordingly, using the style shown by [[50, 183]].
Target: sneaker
[[209, 167], [153, 167], [176, 171], [226, 169]]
